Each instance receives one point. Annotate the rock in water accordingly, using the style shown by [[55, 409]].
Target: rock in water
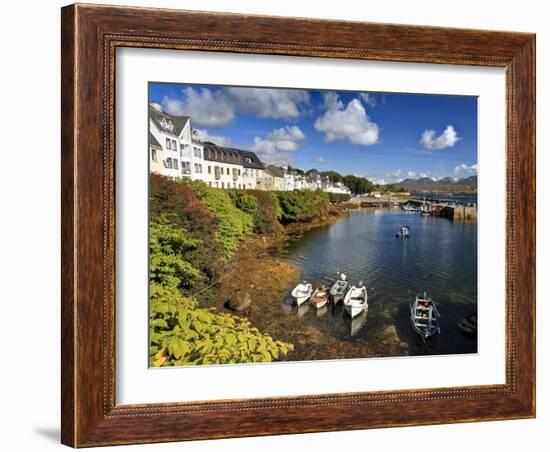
[[240, 301]]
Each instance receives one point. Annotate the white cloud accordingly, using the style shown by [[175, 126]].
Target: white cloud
[[465, 170], [206, 107], [447, 139], [368, 99], [217, 108], [394, 174], [269, 103], [320, 160], [277, 146], [203, 135], [350, 122]]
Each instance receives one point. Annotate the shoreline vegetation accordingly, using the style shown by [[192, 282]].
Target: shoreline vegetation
[[201, 241]]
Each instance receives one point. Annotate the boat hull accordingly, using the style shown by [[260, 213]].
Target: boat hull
[[355, 301], [354, 311]]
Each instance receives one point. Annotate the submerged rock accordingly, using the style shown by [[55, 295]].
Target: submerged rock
[[241, 301]]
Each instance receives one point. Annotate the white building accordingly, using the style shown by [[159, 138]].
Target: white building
[[182, 154], [338, 187], [253, 171], [223, 167]]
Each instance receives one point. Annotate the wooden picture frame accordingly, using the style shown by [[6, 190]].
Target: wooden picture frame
[[90, 36]]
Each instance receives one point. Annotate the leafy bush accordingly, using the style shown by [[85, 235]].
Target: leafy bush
[[179, 202], [181, 333], [303, 205], [233, 224], [262, 206], [336, 198], [168, 246]]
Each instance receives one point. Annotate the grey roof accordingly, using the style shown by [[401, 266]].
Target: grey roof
[[216, 153], [177, 121], [251, 160], [153, 142], [275, 171]]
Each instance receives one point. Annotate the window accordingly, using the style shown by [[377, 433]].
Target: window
[[175, 163], [227, 171], [239, 172], [168, 145], [223, 185], [197, 152], [209, 169], [174, 145], [234, 185], [186, 167], [182, 147], [210, 184], [169, 163], [198, 168], [154, 155]]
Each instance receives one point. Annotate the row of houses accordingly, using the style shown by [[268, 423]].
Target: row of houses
[[176, 152]]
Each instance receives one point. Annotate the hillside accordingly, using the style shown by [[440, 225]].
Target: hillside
[[445, 184]]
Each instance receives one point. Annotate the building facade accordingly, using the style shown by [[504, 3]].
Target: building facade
[[223, 167], [156, 161], [176, 152]]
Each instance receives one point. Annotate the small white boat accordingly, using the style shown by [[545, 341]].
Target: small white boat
[[301, 293], [355, 300], [404, 232]]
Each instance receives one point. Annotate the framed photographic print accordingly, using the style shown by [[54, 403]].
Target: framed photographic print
[[268, 222]]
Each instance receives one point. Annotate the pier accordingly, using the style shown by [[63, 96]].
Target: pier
[[439, 208]]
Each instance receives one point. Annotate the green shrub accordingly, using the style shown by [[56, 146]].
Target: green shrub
[[303, 205], [168, 246], [233, 224], [181, 333], [178, 201], [337, 198]]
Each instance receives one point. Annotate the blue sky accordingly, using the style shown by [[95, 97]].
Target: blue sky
[[386, 137]]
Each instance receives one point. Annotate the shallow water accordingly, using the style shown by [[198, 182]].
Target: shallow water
[[440, 258]]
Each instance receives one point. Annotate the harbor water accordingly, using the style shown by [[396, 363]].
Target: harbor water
[[439, 257]]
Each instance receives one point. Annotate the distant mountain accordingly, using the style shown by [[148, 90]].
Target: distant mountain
[[445, 184]]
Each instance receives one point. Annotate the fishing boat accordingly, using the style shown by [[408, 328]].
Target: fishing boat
[[355, 300], [339, 289], [319, 297], [404, 232], [301, 293], [424, 316]]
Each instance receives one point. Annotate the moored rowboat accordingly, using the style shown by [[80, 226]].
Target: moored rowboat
[[339, 289], [355, 300], [319, 297], [301, 293], [424, 316]]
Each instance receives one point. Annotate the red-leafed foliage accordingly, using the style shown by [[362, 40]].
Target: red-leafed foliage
[[180, 203]]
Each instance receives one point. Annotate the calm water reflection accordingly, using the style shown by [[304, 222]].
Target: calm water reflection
[[440, 257]]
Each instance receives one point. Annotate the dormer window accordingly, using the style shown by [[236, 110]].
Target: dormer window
[[166, 124]]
